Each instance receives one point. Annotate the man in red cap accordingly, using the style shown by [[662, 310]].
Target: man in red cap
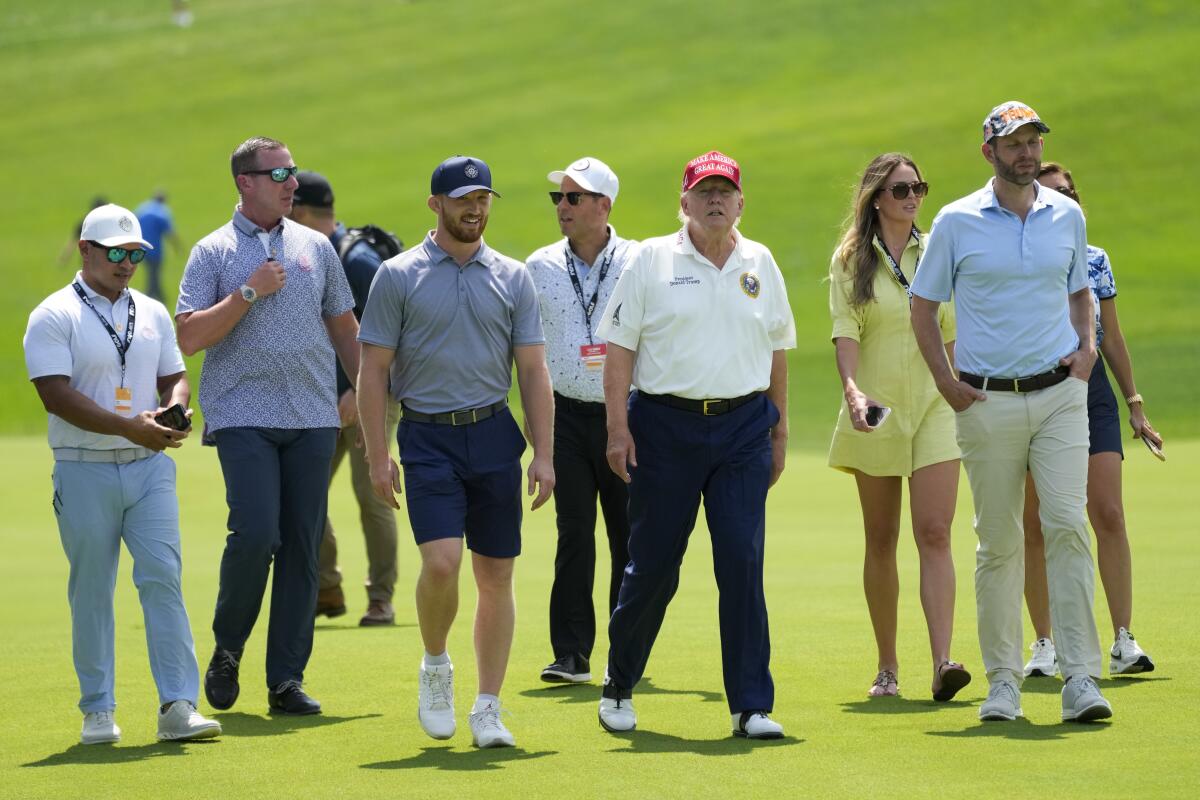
[[698, 323]]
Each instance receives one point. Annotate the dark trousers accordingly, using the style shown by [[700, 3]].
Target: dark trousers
[[581, 472], [276, 485], [683, 456]]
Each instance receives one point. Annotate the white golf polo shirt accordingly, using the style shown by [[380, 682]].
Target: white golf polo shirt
[[64, 337], [700, 332]]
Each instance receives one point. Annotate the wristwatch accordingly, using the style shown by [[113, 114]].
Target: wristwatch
[[1136, 398], [248, 293]]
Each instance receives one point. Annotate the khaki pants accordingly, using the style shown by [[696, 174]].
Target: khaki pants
[[1046, 433], [377, 517]]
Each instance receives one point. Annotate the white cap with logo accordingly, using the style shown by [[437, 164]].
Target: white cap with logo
[[590, 173], [112, 226]]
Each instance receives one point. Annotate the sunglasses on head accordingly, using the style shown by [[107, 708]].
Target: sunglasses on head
[[117, 254], [572, 197], [279, 174], [901, 190]]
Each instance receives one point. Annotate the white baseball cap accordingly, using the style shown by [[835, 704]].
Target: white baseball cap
[[112, 226], [590, 173]]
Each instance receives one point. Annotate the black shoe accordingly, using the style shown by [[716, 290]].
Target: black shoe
[[289, 698], [221, 680], [568, 669]]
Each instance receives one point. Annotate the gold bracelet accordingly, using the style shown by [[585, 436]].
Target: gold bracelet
[[1137, 398]]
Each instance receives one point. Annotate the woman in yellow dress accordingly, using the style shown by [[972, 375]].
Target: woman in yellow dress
[[881, 368]]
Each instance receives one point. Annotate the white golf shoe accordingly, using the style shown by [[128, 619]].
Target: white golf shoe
[[181, 721], [487, 730], [435, 703], [99, 727], [617, 715], [1044, 660], [1126, 657], [756, 725]]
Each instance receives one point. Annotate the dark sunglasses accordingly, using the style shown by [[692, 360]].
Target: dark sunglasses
[[1068, 191], [117, 254], [279, 174], [572, 197], [901, 190]]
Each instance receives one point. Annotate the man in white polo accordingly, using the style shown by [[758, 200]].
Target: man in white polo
[[699, 323], [104, 361], [575, 277]]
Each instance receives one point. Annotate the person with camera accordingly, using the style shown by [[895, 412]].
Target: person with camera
[[104, 361], [893, 424]]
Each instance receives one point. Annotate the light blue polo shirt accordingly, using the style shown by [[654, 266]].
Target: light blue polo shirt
[[1009, 279]]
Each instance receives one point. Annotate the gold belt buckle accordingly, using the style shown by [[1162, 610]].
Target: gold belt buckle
[[706, 411]]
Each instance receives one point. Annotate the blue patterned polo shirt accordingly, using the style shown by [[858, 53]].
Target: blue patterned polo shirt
[[1100, 277]]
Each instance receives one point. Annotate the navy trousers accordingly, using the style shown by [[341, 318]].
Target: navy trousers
[[276, 485], [683, 457]]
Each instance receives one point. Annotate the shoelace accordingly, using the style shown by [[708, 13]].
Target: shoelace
[[488, 718], [287, 686], [1086, 684], [226, 662], [1007, 688], [101, 716], [441, 691]]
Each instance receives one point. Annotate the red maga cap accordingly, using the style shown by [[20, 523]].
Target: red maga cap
[[711, 163]]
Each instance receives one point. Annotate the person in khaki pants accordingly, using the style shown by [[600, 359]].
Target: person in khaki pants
[[1014, 255]]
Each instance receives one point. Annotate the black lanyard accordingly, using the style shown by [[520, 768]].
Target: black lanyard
[[896, 267], [122, 347], [588, 306]]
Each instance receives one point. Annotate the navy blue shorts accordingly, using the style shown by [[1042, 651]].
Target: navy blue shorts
[[1104, 421], [465, 480]]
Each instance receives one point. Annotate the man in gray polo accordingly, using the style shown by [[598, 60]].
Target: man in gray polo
[[575, 277], [446, 320], [269, 301], [1014, 255]]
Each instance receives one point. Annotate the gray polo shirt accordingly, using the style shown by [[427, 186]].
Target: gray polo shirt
[[277, 367], [453, 329]]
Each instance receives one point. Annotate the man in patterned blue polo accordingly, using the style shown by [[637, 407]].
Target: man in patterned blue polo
[[447, 319], [268, 300]]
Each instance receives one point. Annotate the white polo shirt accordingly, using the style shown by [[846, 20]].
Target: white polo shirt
[[700, 332], [64, 337]]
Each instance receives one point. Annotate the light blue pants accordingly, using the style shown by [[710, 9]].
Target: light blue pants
[[97, 506]]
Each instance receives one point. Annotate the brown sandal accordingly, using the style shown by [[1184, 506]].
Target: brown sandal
[[952, 677]]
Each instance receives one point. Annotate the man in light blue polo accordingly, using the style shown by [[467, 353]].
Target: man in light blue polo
[[268, 300], [447, 319], [1014, 255]]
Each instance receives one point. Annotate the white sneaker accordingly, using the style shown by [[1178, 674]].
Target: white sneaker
[[1044, 662], [617, 716], [99, 727], [182, 721], [487, 730], [756, 725], [1003, 702], [1126, 657], [1082, 701], [435, 700]]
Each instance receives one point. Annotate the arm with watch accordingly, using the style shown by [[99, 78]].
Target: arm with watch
[[198, 330]]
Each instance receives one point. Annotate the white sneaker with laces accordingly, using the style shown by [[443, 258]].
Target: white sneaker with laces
[[1126, 657], [435, 699], [1082, 701], [487, 730], [181, 721], [99, 727], [1044, 661], [617, 716], [756, 725], [1003, 702]]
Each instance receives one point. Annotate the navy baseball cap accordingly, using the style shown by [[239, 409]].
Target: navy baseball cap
[[461, 175], [314, 190]]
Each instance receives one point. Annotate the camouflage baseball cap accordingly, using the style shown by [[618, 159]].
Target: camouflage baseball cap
[[1005, 118]]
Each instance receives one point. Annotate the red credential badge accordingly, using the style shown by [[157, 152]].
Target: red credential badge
[[592, 355]]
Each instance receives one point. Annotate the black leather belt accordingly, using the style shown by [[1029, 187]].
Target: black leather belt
[[583, 408], [1019, 385], [466, 416], [708, 408]]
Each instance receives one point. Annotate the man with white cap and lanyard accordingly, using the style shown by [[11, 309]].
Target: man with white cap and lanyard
[[699, 323], [112, 482], [575, 277], [1014, 256]]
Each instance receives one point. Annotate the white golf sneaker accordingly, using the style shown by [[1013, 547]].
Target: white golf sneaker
[[1003, 702], [181, 721], [756, 725], [617, 716], [99, 727], [435, 699], [1082, 701], [1126, 657], [487, 730], [1044, 661]]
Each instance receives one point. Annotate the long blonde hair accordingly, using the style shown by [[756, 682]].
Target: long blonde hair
[[856, 250]]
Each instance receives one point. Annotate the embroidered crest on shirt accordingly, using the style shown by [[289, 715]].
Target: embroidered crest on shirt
[[616, 317], [750, 285], [684, 280]]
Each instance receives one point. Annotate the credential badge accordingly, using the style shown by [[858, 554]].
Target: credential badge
[[750, 284]]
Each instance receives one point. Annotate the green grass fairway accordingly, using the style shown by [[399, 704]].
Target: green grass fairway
[[840, 745]]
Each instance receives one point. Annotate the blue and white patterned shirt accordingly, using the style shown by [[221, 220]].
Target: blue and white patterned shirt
[[1100, 276], [562, 314], [277, 367]]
